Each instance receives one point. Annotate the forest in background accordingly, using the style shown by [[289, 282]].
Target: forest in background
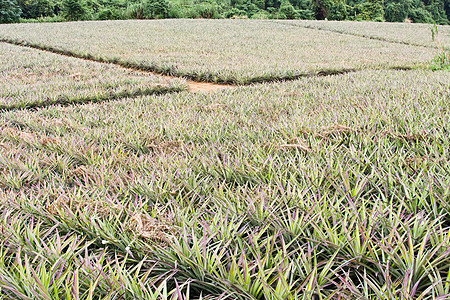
[[416, 11]]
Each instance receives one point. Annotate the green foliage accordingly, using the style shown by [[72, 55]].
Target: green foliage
[[302, 4], [287, 10], [202, 9], [135, 11], [206, 10], [155, 9], [337, 10], [109, 14], [395, 12], [73, 10], [250, 8], [262, 14], [149, 9], [423, 11], [33, 9], [52, 19], [321, 9], [420, 15], [437, 11], [331, 9], [370, 11], [9, 11], [305, 14], [234, 12]]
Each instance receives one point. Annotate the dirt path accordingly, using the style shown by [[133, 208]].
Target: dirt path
[[194, 86]]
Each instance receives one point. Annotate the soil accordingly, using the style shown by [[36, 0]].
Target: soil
[[194, 86]]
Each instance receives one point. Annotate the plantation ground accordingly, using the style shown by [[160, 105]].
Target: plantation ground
[[33, 78], [403, 33], [233, 51], [335, 186]]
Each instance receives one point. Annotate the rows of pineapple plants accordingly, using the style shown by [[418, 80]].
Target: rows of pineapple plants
[[32, 78], [335, 186], [226, 51], [425, 35]]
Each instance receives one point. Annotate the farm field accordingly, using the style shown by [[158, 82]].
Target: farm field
[[413, 34], [323, 187], [34, 78], [228, 51]]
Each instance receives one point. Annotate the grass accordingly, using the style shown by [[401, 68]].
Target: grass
[[227, 51], [324, 187], [403, 33], [32, 78]]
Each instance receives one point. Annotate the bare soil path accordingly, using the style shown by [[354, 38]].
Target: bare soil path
[[194, 86]]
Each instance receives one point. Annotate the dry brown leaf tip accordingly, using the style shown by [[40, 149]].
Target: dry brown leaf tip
[[99, 208], [57, 205], [334, 129], [150, 228], [296, 143]]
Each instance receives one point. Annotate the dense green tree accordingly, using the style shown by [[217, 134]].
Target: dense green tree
[[420, 15], [206, 10], [9, 11], [109, 13], [337, 10], [73, 10], [321, 9], [302, 4], [447, 8], [372, 10], [234, 12], [249, 7], [94, 7], [32, 9], [305, 14], [155, 9], [330, 9], [437, 11], [396, 11], [272, 3], [261, 4], [287, 10], [149, 9]]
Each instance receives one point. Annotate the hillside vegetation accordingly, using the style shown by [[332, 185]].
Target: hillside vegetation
[[418, 11]]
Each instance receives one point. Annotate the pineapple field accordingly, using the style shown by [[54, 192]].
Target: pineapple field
[[224, 159]]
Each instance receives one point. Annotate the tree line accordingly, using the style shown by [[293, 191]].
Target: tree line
[[418, 11]]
